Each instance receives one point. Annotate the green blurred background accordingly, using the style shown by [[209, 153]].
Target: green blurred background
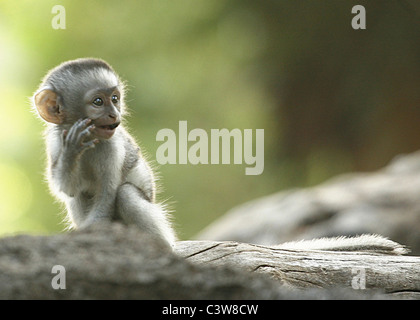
[[330, 99]]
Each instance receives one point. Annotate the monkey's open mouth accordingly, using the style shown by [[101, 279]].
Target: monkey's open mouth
[[110, 126], [106, 131]]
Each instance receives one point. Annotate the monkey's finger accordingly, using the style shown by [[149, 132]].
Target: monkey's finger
[[86, 121], [64, 137], [73, 129], [86, 133], [90, 144], [78, 126]]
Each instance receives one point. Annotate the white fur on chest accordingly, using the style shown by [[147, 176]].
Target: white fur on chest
[[99, 173]]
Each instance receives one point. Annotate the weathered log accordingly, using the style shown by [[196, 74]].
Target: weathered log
[[116, 262], [395, 275], [112, 261]]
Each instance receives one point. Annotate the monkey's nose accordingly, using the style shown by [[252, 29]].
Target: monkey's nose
[[114, 116]]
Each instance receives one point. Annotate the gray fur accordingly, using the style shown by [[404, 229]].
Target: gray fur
[[98, 179], [363, 243]]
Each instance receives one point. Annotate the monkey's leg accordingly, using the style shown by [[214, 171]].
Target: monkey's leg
[[99, 208], [75, 212], [133, 208]]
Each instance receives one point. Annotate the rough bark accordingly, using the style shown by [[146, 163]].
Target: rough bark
[[117, 262], [395, 275]]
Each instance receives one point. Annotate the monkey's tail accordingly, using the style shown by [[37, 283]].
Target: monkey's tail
[[364, 243]]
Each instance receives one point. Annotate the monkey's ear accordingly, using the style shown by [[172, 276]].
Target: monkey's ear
[[46, 103]]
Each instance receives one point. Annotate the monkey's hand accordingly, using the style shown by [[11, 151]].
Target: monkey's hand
[[64, 170], [76, 140]]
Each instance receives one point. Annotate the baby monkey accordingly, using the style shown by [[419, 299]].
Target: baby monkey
[[94, 166]]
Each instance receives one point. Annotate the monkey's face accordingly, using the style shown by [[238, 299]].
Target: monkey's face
[[103, 106], [82, 88]]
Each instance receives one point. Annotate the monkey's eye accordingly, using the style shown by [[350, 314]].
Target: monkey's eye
[[114, 98], [98, 102]]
